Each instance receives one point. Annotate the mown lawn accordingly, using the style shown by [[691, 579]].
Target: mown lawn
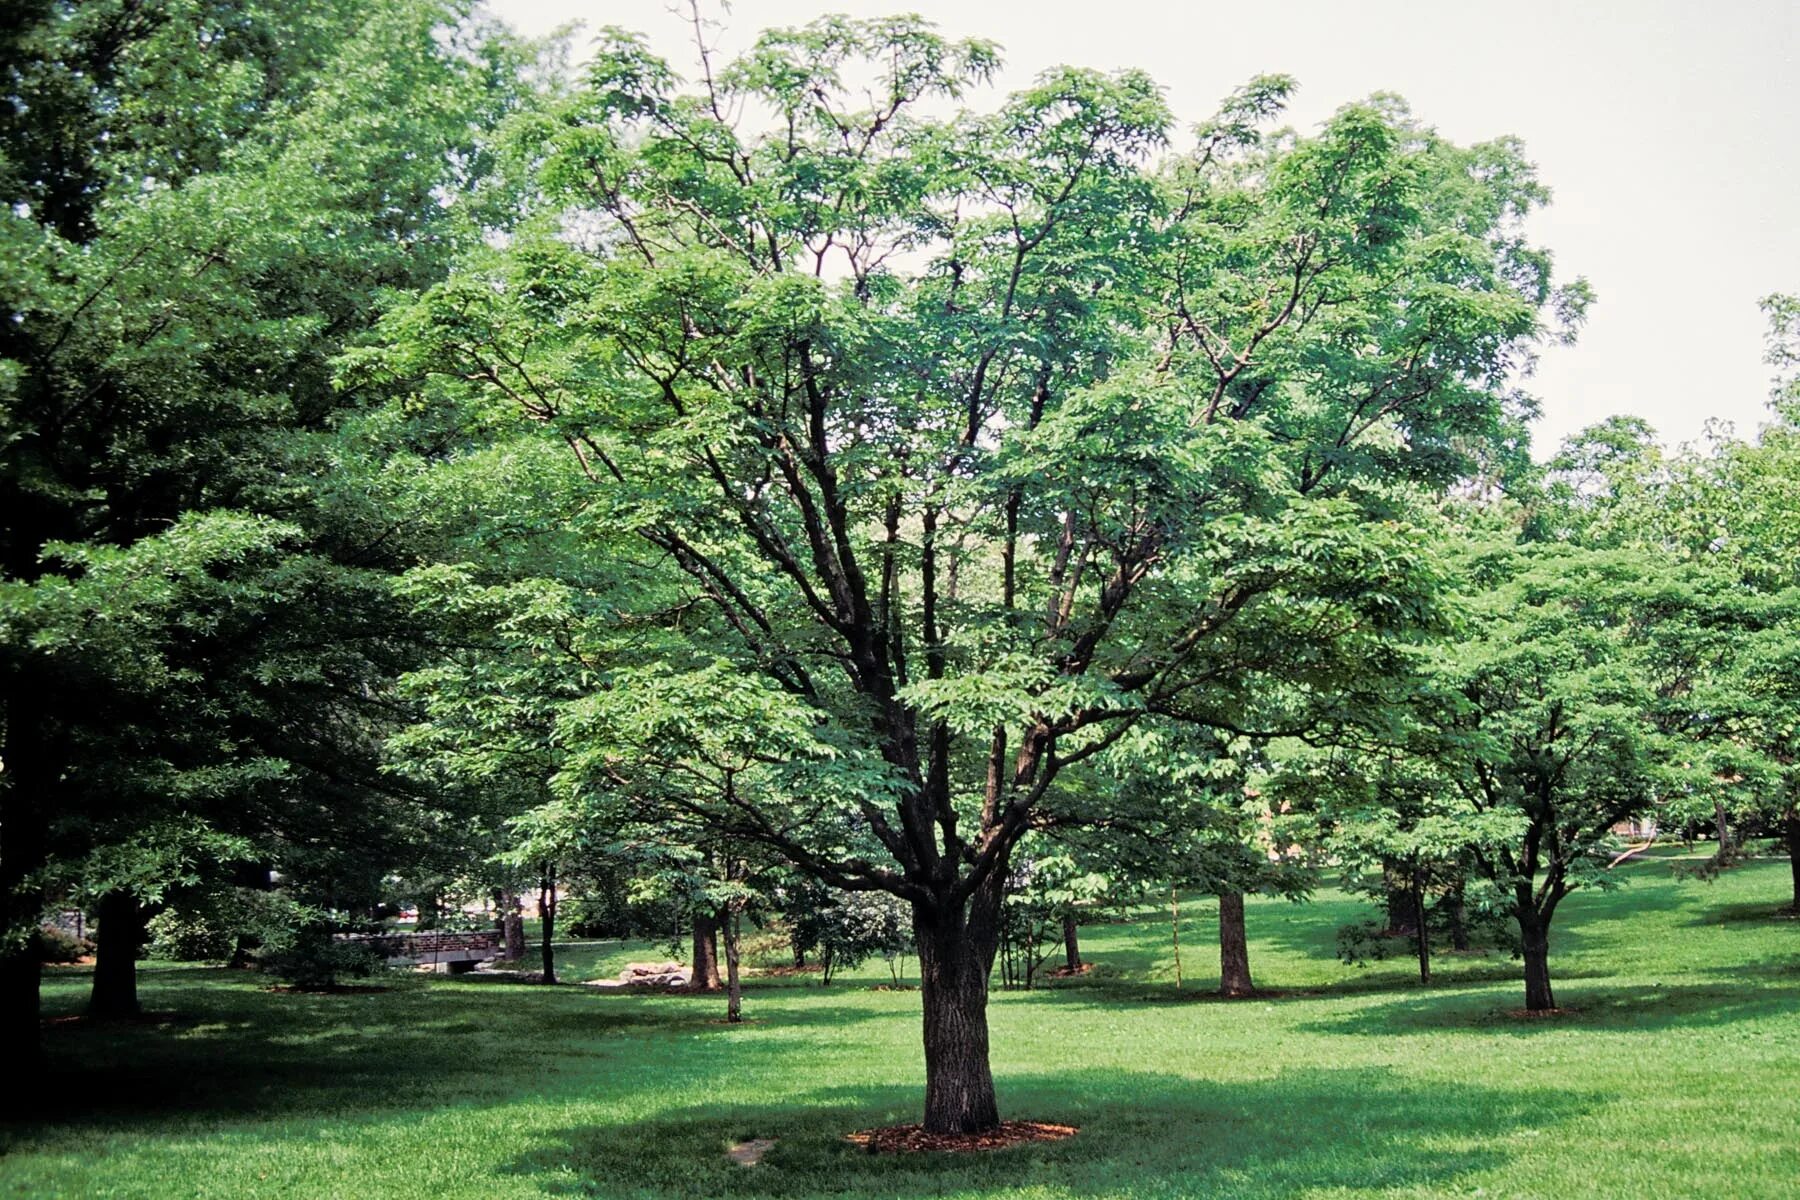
[[1679, 1075]]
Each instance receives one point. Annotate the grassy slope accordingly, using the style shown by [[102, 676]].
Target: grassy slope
[[1680, 1075]]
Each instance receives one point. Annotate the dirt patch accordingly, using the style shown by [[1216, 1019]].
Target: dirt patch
[[909, 1139], [894, 987], [1541, 1014], [1065, 973], [748, 1154], [781, 972]]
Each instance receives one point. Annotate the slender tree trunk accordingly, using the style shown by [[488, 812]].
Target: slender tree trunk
[[1175, 931], [1234, 947], [734, 989], [547, 913], [799, 948], [1423, 929], [1071, 943], [512, 926], [956, 956], [704, 977], [1793, 849], [1726, 852], [1535, 939], [116, 944]]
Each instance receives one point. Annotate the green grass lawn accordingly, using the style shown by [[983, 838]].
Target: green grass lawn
[[1678, 1076]]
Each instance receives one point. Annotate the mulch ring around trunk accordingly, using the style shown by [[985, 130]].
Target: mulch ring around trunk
[[1540, 1014], [910, 1139]]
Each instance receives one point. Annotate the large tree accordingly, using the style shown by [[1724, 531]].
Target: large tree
[[982, 437], [202, 205]]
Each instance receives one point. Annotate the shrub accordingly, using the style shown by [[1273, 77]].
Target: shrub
[[193, 933], [858, 925], [312, 958], [56, 945]]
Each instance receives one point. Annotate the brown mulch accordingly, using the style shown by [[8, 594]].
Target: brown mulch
[[1527, 1014], [781, 972], [1065, 973], [910, 1139]]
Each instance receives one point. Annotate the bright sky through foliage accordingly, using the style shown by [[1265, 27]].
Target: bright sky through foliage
[[1669, 132]]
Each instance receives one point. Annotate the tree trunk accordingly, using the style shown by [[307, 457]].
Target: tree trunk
[[734, 991], [1234, 949], [704, 976], [1422, 930], [799, 949], [1071, 944], [1793, 849], [1175, 931], [512, 926], [956, 956], [1459, 917], [547, 914], [1727, 853], [1535, 940], [120, 934]]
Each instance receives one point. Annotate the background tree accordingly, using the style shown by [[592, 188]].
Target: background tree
[[1545, 716], [201, 208]]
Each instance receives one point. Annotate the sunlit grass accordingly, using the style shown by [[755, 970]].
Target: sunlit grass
[[1679, 1075]]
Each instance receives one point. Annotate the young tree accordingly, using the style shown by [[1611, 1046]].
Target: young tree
[[981, 437], [1549, 718]]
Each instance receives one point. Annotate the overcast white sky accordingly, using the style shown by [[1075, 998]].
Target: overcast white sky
[[1669, 133]]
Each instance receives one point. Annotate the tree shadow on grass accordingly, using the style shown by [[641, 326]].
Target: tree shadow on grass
[[226, 1048], [1612, 1009], [1762, 912], [1105, 989], [1141, 1134]]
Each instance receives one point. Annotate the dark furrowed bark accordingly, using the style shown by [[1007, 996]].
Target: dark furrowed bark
[[1071, 943], [1234, 947], [704, 976], [956, 955], [1535, 944]]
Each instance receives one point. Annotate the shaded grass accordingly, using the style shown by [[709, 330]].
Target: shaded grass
[[1678, 1075]]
